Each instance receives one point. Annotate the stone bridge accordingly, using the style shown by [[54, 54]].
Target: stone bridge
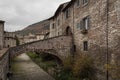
[[59, 46]]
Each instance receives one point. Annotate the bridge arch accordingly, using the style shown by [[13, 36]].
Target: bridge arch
[[58, 46]]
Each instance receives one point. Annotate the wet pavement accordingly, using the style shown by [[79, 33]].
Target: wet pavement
[[25, 69]]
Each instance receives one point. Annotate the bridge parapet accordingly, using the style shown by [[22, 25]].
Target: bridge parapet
[[59, 46], [4, 64]]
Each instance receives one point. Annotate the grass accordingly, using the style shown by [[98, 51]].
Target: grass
[[14, 65], [39, 60]]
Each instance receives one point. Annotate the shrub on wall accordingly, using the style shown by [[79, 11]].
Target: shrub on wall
[[84, 68], [114, 70], [66, 71], [17, 41]]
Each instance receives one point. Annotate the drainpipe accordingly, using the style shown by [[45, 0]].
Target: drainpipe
[[73, 35], [107, 36]]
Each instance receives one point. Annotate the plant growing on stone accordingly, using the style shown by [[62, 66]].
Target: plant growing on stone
[[84, 68], [17, 41], [114, 70], [66, 71]]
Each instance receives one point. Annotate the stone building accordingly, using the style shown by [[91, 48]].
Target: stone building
[[21, 39], [9, 39], [95, 28], [39, 36], [1, 34], [56, 22], [30, 38]]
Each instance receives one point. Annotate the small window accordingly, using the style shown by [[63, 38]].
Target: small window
[[53, 26], [58, 22], [85, 45], [67, 13], [85, 2], [85, 23], [58, 33], [78, 3]]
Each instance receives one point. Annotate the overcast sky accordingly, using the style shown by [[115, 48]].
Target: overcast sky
[[18, 14]]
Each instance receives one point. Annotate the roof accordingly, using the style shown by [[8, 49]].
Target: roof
[[70, 3], [60, 8], [1, 21]]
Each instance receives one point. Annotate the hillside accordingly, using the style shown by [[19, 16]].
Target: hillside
[[39, 27]]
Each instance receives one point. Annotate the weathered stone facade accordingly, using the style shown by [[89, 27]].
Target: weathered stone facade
[[9, 39], [4, 64], [94, 27], [102, 36], [30, 38], [1, 34]]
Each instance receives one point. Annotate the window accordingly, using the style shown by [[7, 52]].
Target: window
[[84, 24], [85, 45], [67, 13], [58, 22], [85, 2], [53, 26], [78, 3]]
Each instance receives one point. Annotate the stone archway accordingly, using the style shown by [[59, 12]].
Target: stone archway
[[68, 31]]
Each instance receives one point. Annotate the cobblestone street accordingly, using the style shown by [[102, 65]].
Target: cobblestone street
[[25, 69]]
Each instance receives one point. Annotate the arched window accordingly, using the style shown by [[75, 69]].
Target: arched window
[[68, 31]]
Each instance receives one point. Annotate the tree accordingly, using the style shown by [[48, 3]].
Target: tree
[[17, 41]]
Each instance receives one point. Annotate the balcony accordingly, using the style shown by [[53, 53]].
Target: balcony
[[84, 31]]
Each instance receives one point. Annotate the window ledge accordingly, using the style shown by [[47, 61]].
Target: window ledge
[[84, 31]]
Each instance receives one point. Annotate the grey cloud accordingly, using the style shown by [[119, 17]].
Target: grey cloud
[[20, 13]]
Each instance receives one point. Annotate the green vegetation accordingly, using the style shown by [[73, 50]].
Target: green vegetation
[[82, 68], [17, 41], [42, 62], [14, 65], [114, 70]]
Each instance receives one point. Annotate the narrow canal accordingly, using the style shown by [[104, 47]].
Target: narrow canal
[[25, 69]]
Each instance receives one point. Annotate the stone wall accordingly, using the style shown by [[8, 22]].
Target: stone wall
[[4, 64], [114, 30], [96, 34], [103, 34], [1, 34]]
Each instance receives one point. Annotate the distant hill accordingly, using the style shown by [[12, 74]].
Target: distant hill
[[39, 27]]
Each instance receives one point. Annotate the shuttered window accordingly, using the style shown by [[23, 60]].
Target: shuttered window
[[78, 25], [78, 3], [84, 23]]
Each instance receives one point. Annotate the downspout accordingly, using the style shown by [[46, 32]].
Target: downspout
[[73, 45], [107, 36]]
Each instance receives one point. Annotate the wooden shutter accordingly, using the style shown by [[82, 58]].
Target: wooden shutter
[[81, 24]]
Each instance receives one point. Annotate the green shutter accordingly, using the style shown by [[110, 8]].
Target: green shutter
[[78, 25], [81, 24]]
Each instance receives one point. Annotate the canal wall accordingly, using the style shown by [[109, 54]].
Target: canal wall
[[4, 64]]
